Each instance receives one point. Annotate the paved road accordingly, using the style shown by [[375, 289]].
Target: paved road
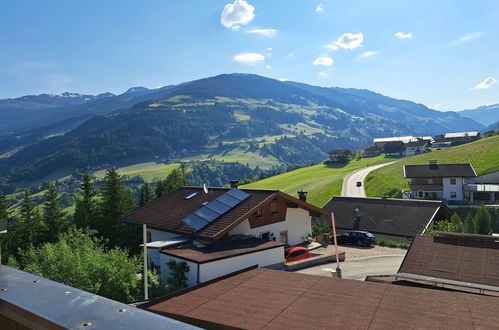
[[358, 269], [350, 188]]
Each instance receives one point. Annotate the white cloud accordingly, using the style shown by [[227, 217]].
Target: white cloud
[[468, 37], [282, 79], [323, 74], [319, 8], [402, 35], [249, 58], [268, 67], [269, 33], [236, 14], [269, 49], [369, 53], [486, 84], [324, 61], [347, 41]]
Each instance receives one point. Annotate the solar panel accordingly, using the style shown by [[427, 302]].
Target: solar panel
[[238, 194], [206, 214], [228, 200], [194, 221], [218, 207]]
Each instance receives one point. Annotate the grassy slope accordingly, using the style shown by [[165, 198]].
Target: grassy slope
[[148, 171], [482, 154], [321, 181]]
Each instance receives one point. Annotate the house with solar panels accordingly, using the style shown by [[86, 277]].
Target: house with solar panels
[[217, 231]]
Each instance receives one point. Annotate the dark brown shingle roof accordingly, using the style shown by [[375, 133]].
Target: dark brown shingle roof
[[439, 171], [400, 217], [460, 259], [167, 212], [263, 298], [221, 251]]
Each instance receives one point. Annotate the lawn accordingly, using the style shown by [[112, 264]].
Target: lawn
[[320, 181], [150, 171], [482, 154]]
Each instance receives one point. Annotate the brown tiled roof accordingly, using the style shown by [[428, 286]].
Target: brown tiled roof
[[462, 259], [402, 217], [167, 212], [263, 298], [340, 152], [418, 143], [226, 249], [439, 171]]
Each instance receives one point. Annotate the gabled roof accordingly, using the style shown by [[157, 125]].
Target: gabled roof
[[439, 171], [401, 217], [269, 299], [461, 134], [469, 259], [167, 212], [395, 138], [340, 152], [418, 143]]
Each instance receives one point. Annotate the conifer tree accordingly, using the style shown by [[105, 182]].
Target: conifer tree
[[469, 224], [4, 208], [146, 195], [457, 223], [482, 219], [31, 227], [86, 208], [54, 218]]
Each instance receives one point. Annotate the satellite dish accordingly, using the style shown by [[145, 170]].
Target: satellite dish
[[204, 188]]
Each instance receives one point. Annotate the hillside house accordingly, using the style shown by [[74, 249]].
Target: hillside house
[[437, 181], [417, 147], [223, 230], [381, 142], [482, 189], [339, 156], [461, 138], [396, 219], [394, 148], [371, 152]]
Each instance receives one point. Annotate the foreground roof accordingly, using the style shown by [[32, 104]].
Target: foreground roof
[[167, 212], [439, 171], [263, 298], [469, 259], [402, 217]]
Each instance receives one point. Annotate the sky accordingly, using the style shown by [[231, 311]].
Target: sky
[[442, 53]]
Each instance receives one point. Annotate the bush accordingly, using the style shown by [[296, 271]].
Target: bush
[[390, 243]]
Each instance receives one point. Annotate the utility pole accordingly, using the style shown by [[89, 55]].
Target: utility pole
[[144, 239]]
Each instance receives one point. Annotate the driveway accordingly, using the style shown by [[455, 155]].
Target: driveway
[[350, 189]]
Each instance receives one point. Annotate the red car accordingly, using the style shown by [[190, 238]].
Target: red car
[[296, 253]]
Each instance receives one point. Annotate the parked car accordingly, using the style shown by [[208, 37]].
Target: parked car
[[296, 253], [359, 183], [357, 237]]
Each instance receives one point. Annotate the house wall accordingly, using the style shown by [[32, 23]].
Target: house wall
[[492, 177], [448, 188], [153, 255], [298, 224], [211, 270], [192, 275]]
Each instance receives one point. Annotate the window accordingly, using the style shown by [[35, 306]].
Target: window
[[283, 236], [453, 194], [265, 236], [273, 208], [420, 194], [426, 194], [452, 181], [430, 181], [258, 213]]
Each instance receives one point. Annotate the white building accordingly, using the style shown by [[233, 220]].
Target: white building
[[222, 230]]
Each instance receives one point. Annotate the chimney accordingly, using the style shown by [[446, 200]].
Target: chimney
[[302, 195], [433, 164], [234, 183]]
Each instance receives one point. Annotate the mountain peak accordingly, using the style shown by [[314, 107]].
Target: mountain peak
[[138, 89]]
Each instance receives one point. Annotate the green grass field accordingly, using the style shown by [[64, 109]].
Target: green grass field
[[482, 154], [148, 171], [321, 181]]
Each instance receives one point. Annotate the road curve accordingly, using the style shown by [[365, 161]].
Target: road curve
[[350, 189]]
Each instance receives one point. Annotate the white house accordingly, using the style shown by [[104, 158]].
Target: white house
[[416, 147], [221, 230], [437, 181]]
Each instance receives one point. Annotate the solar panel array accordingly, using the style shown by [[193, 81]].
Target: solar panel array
[[216, 208]]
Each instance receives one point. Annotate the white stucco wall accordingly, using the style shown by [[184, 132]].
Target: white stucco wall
[[192, 276], [298, 224], [211, 270], [157, 235], [448, 188]]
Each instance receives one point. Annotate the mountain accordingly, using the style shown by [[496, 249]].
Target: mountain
[[238, 114], [485, 115]]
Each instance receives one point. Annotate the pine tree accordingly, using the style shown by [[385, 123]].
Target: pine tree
[[31, 227], [86, 208], [469, 224], [4, 209], [457, 223], [146, 195], [54, 218], [482, 219]]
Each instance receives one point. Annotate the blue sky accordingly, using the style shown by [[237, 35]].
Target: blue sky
[[442, 53]]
